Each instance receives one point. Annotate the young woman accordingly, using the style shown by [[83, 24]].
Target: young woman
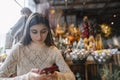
[[35, 52]]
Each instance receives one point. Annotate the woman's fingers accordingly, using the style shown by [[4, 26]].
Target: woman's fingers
[[35, 76], [35, 70], [52, 76]]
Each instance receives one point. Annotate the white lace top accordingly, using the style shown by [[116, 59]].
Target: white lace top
[[23, 58]]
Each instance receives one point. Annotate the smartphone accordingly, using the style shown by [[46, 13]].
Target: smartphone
[[49, 70]]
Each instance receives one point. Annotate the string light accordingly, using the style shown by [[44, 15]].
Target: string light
[[112, 23], [114, 15]]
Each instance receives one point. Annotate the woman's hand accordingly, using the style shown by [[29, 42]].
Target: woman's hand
[[52, 76], [35, 75]]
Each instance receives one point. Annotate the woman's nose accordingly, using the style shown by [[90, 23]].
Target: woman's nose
[[39, 36]]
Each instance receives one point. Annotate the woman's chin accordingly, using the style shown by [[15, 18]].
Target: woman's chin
[[39, 42]]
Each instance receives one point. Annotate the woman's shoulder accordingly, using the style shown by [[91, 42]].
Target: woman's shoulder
[[15, 49], [18, 45], [54, 49]]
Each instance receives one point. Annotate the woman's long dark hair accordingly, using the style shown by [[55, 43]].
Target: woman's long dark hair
[[35, 19]]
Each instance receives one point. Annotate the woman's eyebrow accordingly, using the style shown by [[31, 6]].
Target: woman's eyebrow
[[44, 29], [40, 30], [33, 29]]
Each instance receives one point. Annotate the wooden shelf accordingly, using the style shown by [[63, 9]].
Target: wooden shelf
[[90, 69]]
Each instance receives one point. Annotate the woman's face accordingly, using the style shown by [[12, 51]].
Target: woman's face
[[38, 33]]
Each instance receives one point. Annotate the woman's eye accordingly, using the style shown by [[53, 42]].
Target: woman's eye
[[44, 31], [34, 32]]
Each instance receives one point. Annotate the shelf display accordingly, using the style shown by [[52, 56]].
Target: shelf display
[[79, 56]]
